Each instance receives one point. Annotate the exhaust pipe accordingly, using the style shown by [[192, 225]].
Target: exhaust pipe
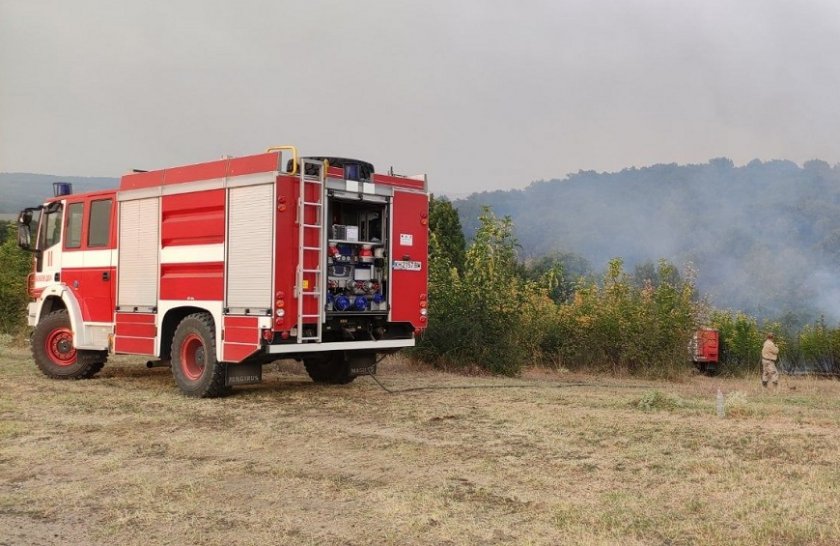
[[158, 364]]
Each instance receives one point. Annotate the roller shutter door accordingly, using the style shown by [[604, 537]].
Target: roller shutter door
[[249, 248], [138, 256]]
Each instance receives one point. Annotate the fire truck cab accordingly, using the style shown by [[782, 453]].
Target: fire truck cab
[[218, 268]]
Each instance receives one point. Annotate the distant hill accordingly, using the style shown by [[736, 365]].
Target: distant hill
[[764, 237], [20, 190]]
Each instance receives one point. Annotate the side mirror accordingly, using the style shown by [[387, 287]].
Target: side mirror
[[24, 237], [24, 232]]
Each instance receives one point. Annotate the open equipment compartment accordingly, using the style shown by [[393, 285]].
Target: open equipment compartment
[[357, 268]]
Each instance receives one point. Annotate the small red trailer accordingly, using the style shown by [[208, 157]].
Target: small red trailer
[[704, 350], [220, 267]]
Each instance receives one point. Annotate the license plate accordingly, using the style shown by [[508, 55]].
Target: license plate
[[402, 265], [363, 370]]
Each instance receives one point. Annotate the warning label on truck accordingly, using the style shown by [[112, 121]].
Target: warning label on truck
[[406, 239], [402, 265]]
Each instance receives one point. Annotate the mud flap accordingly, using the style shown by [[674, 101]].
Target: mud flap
[[243, 374], [362, 364]]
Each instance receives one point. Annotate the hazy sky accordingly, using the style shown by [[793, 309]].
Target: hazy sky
[[478, 94]]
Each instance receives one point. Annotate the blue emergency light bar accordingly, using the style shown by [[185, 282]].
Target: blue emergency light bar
[[352, 171], [62, 188]]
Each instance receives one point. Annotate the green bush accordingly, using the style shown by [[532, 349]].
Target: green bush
[[485, 315], [15, 265], [658, 400], [737, 405], [620, 327], [820, 346], [740, 341], [445, 224], [501, 315]]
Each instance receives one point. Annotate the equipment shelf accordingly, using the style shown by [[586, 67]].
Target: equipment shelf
[[346, 242]]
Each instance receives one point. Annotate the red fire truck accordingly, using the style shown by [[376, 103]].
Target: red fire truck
[[217, 268]]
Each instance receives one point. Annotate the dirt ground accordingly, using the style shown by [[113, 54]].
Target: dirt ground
[[552, 458]]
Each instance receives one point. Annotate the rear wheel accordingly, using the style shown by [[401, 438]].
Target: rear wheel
[[329, 368], [54, 353], [194, 364]]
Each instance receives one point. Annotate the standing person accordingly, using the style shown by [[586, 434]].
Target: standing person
[[769, 355]]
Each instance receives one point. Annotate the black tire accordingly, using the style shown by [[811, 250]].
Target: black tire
[[194, 365], [329, 368], [53, 351]]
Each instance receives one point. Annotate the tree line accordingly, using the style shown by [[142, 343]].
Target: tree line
[[488, 307]]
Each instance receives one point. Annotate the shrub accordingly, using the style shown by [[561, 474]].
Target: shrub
[[624, 328], [658, 400], [487, 314], [736, 404], [15, 264], [499, 314], [740, 340], [820, 346]]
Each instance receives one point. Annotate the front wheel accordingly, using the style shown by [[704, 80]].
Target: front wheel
[[54, 353], [194, 364]]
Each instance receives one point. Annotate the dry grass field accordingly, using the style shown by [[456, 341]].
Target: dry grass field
[[550, 458]]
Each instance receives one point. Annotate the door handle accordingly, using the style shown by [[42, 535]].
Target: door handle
[[106, 275]]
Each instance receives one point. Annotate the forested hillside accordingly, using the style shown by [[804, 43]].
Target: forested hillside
[[764, 237]]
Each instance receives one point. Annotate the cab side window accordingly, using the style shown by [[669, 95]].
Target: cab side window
[[74, 225], [99, 225]]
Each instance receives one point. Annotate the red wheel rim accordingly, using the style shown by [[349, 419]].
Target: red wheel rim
[[192, 357], [60, 348]]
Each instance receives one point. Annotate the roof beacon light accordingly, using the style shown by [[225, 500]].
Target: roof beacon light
[[352, 171], [62, 188]]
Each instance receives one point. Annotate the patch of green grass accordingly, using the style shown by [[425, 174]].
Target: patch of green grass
[[736, 404], [658, 400]]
